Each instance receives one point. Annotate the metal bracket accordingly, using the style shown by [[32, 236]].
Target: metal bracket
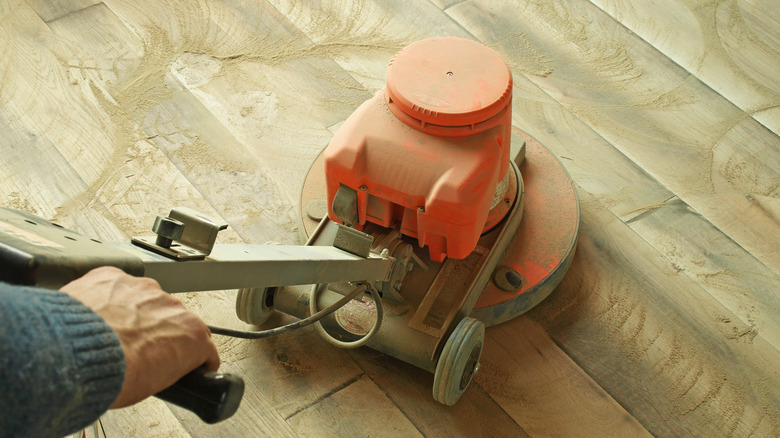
[[192, 241], [345, 205]]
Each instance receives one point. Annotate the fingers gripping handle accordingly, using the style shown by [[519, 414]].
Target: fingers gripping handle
[[213, 397]]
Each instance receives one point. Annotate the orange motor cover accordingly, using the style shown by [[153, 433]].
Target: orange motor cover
[[426, 153]]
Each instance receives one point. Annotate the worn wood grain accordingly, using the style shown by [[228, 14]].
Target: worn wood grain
[[149, 418], [410, 388], [732, 46], [535, 382], [722, 268], [654, 339], [664, 114], [373, 414], [50, 10]]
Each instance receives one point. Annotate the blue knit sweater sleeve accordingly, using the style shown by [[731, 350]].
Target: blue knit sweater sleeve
[[61, 365]]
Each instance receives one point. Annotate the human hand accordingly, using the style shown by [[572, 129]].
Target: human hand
[[161, 339]]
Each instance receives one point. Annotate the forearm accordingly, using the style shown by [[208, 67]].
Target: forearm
[[61, 365]]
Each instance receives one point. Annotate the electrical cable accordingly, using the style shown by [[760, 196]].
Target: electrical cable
[[342, 344], [315, 317]]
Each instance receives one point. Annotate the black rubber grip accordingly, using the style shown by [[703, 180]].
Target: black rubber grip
[[213, 397]]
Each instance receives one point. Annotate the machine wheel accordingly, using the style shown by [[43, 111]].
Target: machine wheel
[[255, 305], [459, 361]]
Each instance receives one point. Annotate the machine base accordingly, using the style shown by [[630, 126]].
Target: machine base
[[435, 318], [538, 255]]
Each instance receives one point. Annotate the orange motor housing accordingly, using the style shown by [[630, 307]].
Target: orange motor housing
[[429, 153]]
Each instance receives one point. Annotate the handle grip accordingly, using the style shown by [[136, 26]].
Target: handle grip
[[213, 397]]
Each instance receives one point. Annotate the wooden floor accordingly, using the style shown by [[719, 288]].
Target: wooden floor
[[665, 113]]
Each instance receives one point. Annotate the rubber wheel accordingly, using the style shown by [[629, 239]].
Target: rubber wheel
[[254, 305], [459, 361]]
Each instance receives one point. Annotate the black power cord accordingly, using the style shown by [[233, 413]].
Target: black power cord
[[246, 334]]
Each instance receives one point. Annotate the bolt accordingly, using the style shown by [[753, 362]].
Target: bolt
[[167, 230], [507, 279], [317, 209]]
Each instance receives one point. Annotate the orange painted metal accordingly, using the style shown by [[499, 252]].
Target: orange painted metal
[[426, 154]]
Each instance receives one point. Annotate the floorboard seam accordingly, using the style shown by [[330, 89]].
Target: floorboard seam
[[596, 383], [707, 84], [69, 13], [326, 395], [498, 405], [400, 408]]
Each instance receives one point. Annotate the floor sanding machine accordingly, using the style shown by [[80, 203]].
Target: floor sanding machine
[[426, 218]]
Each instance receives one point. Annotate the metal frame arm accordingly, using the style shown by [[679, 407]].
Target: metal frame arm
[[234, 266], [34, 251]]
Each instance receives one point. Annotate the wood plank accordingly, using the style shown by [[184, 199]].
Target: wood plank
[[37, 183], [410, 388], [100, 53], [149, 418], [359, 400], [247, 110], [50, 10], [138, 182], [720, 267], [688, 241], [728, 272], [363, 36], [86, 176], [538, 384], [730, 46], [532, 380], [596, 166], [267, 108], [654, 339]]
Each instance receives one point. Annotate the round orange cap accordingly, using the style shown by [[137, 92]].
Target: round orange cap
[[448, 81]]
